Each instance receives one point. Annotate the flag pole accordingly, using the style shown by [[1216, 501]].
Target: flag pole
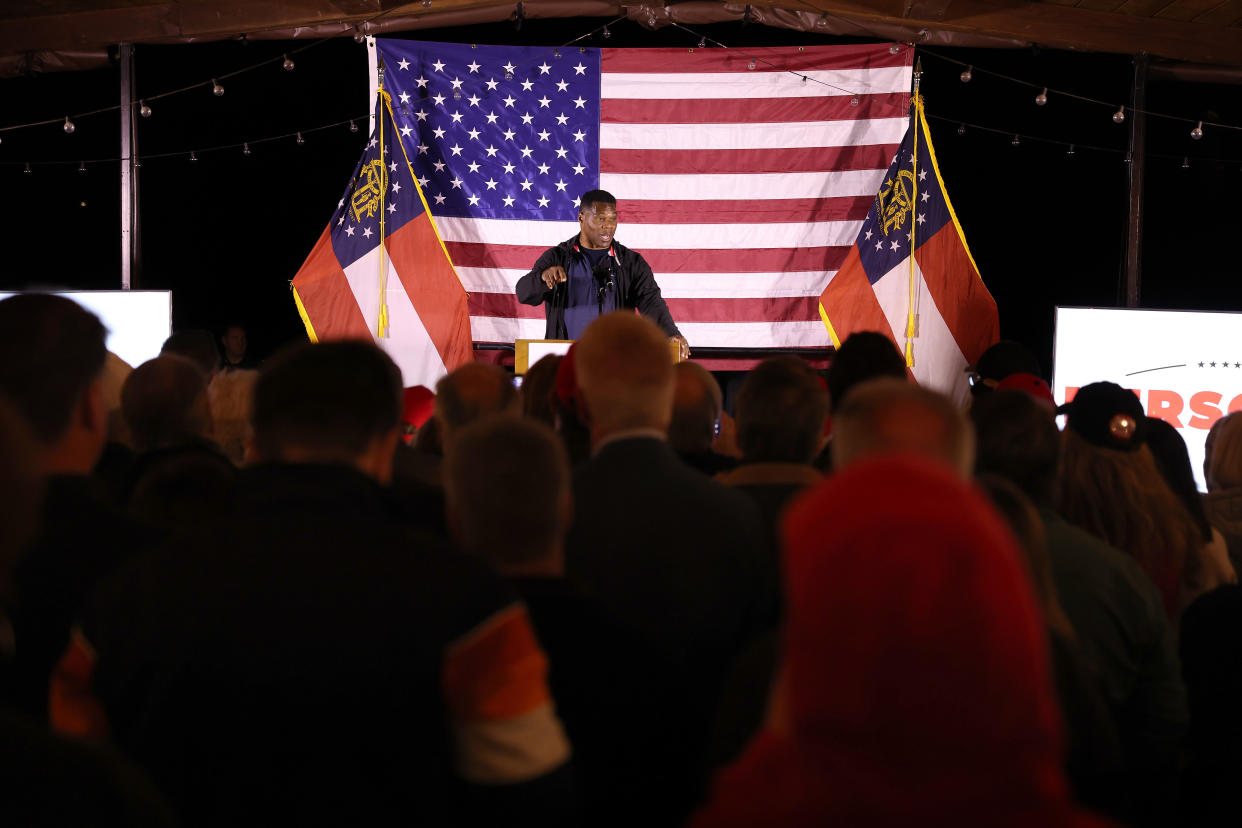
[[382, 328], [915, 112]]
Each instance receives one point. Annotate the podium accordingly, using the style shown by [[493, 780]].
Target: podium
[[526, 352]]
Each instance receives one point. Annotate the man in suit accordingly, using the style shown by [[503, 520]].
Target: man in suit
[[673, 555]]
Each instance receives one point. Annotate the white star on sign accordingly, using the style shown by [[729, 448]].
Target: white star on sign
[[373, 143], [509, 169], [473, 166], [405, 131], [473, 67], [491, 152], [526, 85], [456, 182], [491, 183], [562, 86], [527, 118], [421, 115], [366, 231], [543, 169], [580, 69], [579, 169], [349, 231], [561, 152], [526, 185], [492, 84], [509, 101], [543, 134], [580, 102], [562, 119], [474, 134], [543, 202], [341, 203], [404, 64], [561, 185], [421, 81], [340, 221], [440, 198], [544, 68], [438, 66], [544, 101], [508, 201], [579, 135], [474, 201]]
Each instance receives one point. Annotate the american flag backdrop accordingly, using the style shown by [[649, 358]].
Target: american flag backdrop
[[742, 183]]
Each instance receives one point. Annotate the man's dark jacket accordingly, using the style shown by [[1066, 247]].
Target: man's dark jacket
[[636, 288]]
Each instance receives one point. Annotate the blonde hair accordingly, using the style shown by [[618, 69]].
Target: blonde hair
[[1121, 496], [625, 371], [1224, 469]]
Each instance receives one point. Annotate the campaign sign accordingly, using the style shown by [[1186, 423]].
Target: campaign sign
[[138, 321], [1185, 366]]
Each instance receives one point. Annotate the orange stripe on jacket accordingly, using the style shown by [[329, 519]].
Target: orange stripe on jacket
[[496, 671]]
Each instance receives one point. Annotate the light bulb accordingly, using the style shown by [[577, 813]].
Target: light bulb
[[246, 148], [961, 129], [1197, 132], [804, 80], [216, 88], [1070, 151], [137, 162], [301, 140], [457, 94], [143, 109], [27, 170], [966, 75], [82, 168], [1119, 116], [1016, 140], [651, 20], [287, 64], [1185, 163], [822, 22], [607, 33], [556, 53], [426, 4], [854, 100], [894, 48], [193, 157], [751, 65], [703, 42], [69, 127], [1042, 97], [353, 127]]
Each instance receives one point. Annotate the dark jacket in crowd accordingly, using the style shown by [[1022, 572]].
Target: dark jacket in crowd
[[310, 659], [681, 560], [636, 288]]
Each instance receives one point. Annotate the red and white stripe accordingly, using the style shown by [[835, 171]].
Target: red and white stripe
[[743, 188]]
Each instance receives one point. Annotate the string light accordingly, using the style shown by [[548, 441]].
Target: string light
[[1070, 151], [1016, 140], [854, 101], [703, 42], [143, 109], [359, 36], [301, 140], [606, 33], [246, 149], [966, 75], [894, 48], [961, 129], [750, 65], [216, 88], [27, 170], [353, 127], [426, 4], [804, 80], [69, 127], [1197, 132], [1119, 116], [81, 168], [556, 53], [287, 64], [1042, 97], [457, 94], [193, 157], [137, 163], [1185, 163]]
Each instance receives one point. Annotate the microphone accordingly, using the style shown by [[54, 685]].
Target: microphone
[[603, 275]]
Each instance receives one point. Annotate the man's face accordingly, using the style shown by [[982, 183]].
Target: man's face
[[598, 222], [235, 342]]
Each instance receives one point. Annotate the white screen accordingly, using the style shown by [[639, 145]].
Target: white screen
[[138, 321]]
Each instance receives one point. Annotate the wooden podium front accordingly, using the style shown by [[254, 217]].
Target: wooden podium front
[[526, 352]]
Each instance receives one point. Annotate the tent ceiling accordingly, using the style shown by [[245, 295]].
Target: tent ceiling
[[46, 35]]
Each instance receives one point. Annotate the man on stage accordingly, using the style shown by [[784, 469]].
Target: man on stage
[[591, 274]]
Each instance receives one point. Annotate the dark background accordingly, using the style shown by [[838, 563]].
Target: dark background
[[228, 232]]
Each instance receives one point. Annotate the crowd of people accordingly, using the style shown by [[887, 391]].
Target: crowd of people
[[305, 595]]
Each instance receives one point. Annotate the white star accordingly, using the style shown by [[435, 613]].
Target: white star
[[421, 115], [509, 169], [491, 119], [341, 203], [543, 202], [879, 245], [579, 135], [526, 185], [491, 183], [404, 64], [492, 84], [456, 182], [392, 208], [543, 169], [527, 118], [473, 67], [561, 185], [456, 150], [421, 81], [405, 97], [474, 100], [561, 152], [366, 231], [393, 166], [373, 143], [440, 198], [544, 68], [349, 231], [439, 99], [456, 83], [562, 119], [491, 152], [422, 182], [509, 67], [473, 166], [438, 66], [474, 201], [867, 235], [543, 134], [526, 151], [562, 86], [405, 130], [509, 101], [439, 166], [579, 169], [580, 102], [544, 101], [422, 149], [340, 221], [925, 196], [896, 244], [474, 134], [438, 132], [508, 201], [922, 174], [456, 116], [396, 186], [922, 218], [526, 85], [508, 133], [580, 69]]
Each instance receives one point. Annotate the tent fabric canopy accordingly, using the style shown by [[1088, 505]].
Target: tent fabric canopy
[[56, 35]]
